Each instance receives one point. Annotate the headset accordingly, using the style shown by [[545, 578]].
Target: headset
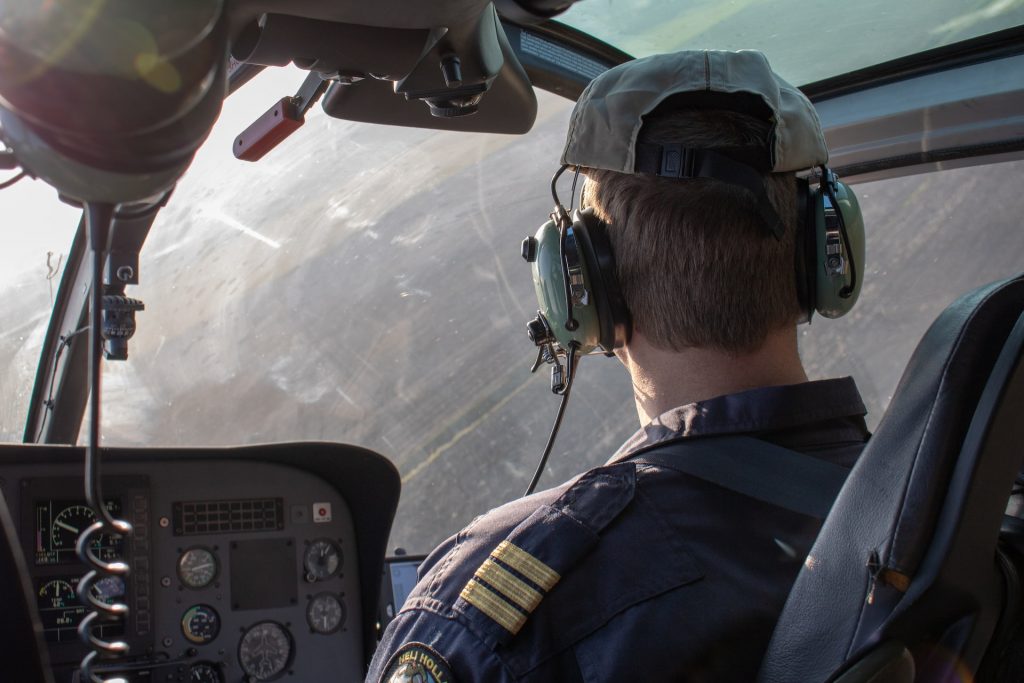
[[581, 305]]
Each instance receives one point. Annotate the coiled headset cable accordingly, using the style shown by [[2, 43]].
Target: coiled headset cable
[[99, 218]]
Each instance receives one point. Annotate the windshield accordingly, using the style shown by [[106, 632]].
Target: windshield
[[363, 284], [804, 41], [35, 234]]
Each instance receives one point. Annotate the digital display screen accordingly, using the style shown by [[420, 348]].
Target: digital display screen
[[61, 612], [403, 580], [58, 524]]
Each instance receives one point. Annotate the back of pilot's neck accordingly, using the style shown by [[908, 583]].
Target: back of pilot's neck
[[666, 379]]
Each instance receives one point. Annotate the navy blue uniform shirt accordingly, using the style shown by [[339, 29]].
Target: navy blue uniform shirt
[[628, 572]]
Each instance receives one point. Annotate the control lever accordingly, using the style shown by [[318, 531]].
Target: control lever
[[280, 121]]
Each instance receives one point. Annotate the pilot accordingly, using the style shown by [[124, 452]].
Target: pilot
[[638, 571]]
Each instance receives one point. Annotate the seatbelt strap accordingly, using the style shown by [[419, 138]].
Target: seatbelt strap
[[758, 469]]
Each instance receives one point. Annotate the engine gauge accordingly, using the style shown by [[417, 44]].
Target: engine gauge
[[265, 650], [200, 624], [59, 609], [325, 613], [322, 559], [68, 523], [197, 567], [204, 672], [58, 593]]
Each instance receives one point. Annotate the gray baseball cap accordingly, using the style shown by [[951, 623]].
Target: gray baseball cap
[[608, 116]]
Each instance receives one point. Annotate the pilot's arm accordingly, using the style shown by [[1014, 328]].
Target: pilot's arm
[[439, 649], [483, 609]]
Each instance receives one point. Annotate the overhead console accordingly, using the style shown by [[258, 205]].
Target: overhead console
[[247, 564], [426, 67]]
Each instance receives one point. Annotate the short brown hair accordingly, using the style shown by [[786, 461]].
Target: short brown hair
[[696, 264]]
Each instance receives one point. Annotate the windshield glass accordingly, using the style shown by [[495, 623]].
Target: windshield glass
[[805, 42], [363, 284], [35, 231]]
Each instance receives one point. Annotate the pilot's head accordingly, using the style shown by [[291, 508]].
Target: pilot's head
[[698, 259]]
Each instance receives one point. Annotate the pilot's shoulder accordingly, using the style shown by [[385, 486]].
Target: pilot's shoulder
[[495, 572]]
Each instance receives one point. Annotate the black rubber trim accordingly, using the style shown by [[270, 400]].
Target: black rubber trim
[[984, 48], [935, 156]]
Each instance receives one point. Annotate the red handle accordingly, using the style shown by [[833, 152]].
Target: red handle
[[268, 131]]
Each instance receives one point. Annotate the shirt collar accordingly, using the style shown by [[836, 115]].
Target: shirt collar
[[765, 409]]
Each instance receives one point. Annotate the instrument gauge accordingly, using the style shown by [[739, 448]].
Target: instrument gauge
[[58, 594], [204, 672], [265, 650], [200, 624], [322, 560], [197, 567], [325, 613], [68, 524]]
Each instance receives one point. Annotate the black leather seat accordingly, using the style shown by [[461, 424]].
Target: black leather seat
[[905, 581]]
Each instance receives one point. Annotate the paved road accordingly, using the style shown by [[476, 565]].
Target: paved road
[[363, 284]]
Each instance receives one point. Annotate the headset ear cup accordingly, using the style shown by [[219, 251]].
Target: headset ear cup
[[549, 277], [836, 293], [805, 252], [610, 305]]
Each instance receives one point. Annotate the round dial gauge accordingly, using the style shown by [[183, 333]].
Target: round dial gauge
[[204, 672], [322, 559], [58, 594], [265, 650], [70, 522], [325, 613], [197, 567], [200, 624]]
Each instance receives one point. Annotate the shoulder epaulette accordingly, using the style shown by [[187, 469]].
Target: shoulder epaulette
[[510, 584]]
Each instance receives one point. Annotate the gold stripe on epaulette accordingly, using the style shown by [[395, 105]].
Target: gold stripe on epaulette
[[511, 587], [509, 618], [526, 564]]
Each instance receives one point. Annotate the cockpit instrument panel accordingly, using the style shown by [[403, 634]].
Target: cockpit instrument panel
[[240, 568], [53, 514]]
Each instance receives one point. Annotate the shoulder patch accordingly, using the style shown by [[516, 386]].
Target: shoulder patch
[[417, 663]]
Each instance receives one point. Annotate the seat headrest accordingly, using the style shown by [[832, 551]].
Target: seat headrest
[[873, 541]]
